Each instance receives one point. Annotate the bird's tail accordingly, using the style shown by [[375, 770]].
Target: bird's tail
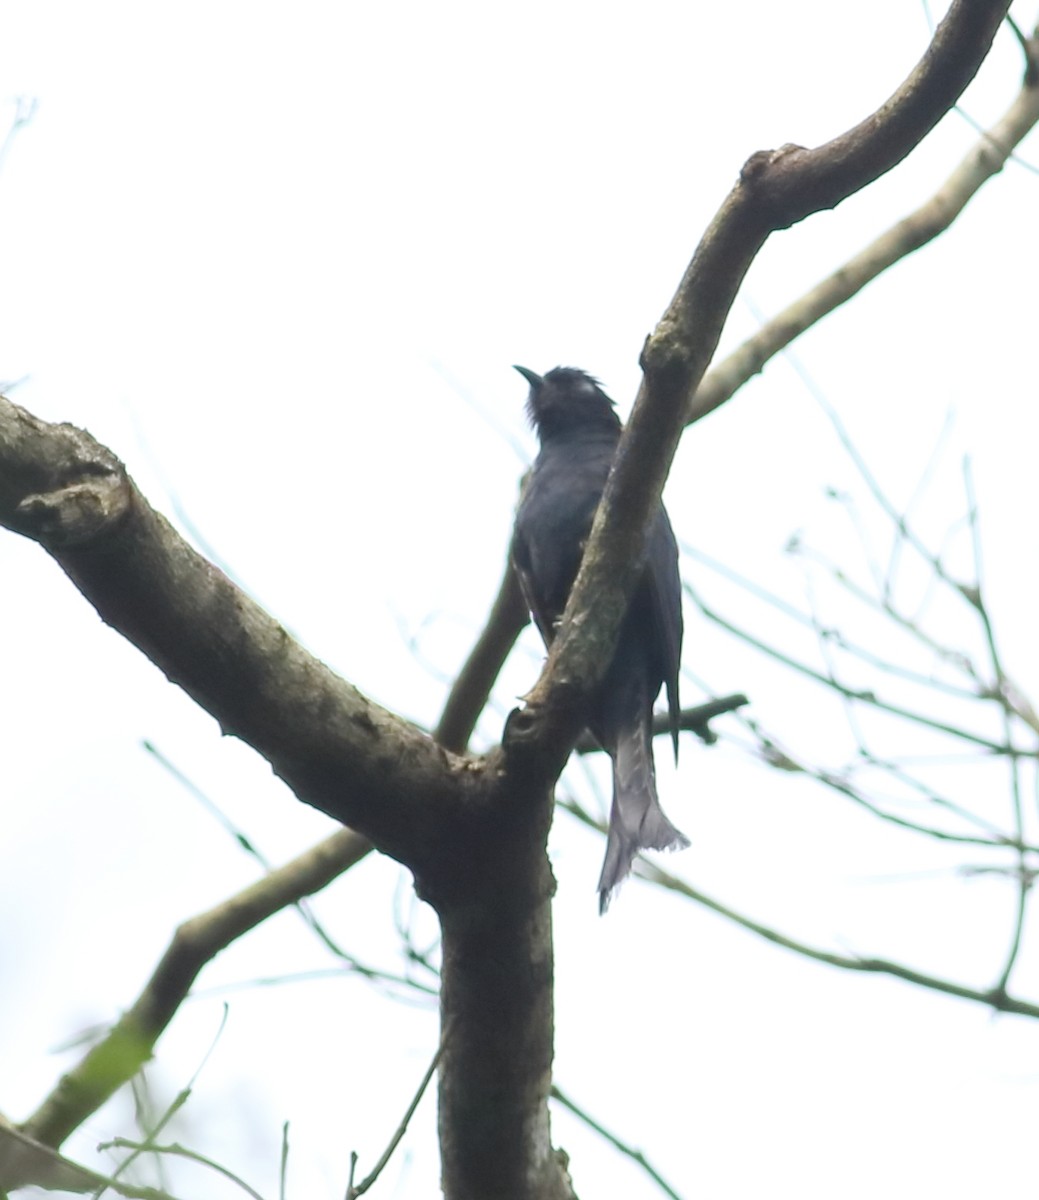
[[637, 821]]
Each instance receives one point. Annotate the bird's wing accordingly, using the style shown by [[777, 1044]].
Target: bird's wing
[[666, 590], [554, 517], [522, 561]]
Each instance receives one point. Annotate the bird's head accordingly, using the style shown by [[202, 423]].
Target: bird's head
[[566, 400]]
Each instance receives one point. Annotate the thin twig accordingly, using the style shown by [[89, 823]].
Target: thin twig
[[396, 986], [998, 837], [352, 1191], [250, 848], [283, 1169], [625, 1148], [25, 108], [694, 720], [898, 519], [977, 594], [795, 614], [181, 1152], [863, 697], [175, 1105], [992, 998], [997, 841], [918, 492]]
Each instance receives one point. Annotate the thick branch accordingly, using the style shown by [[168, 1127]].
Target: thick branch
[[336, 749], [496, 1074]]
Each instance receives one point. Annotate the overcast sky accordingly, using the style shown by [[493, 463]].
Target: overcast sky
[[281, 261]]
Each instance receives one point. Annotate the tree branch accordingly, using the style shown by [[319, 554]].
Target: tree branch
[[353, 1192], [695, 720], [129, 1043], [995, 998], [986, 158]]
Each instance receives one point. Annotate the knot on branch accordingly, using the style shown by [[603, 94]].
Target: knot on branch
[[757, 167], [766, 178], [537, 739], [665, 359], [76, 513], [57, 485], [522, 736]]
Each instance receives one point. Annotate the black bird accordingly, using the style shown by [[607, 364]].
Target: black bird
[[579, 431]]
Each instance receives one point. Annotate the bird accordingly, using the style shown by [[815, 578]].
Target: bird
[[578, 431]]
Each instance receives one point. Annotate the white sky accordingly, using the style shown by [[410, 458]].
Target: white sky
[[281, 263]]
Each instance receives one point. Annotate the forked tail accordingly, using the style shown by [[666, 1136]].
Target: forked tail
[[637, 821]]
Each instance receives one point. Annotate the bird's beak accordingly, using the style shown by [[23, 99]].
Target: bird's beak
[[530, 376]]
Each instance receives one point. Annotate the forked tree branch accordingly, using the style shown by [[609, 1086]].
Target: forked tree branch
[[986, 158]]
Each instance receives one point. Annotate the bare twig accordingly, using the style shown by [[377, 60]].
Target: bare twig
[[997, 836], [1028, 49], [617, 1143], [246, 844], [977, 597], [994, 998], [352, 1191], [25, 108], [996, 839], [837, 636], [283, 1167], [695, 720], [864, 697], [181, 1152], [152, 1131]]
